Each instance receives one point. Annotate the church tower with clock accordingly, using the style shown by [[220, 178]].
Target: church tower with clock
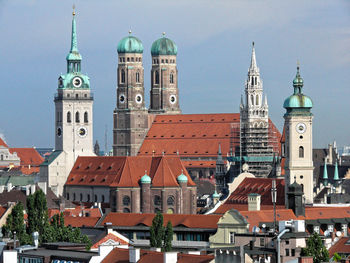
[[298, 140], [130, 115], [73, 120]]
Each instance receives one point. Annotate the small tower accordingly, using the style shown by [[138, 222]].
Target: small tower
[[130, 115], [325, 173], [164, 82], [146, 193], [220, 171], [298, 139], [295, 199], [255, 123]]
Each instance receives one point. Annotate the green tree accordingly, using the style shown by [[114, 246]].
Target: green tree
[[15, 223], [315, 248], [168, 237], [336, 257], [157, 231]]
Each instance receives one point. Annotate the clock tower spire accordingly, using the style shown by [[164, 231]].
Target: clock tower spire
[[298, 145], [74, 122]]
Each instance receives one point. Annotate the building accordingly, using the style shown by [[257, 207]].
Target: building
[[254, 128], [298, 140], [133, 184], [73, 122], [131, 118]]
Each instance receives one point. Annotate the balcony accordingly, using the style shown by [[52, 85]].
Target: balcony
[[84, 96]]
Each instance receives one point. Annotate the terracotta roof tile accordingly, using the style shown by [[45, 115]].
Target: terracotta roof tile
[[196, 135], [112, 236], [28, 156], [190, 221], [117, 171], [3, 143], [80, 221], [341, 247]]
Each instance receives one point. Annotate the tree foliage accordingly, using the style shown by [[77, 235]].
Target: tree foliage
[[157, 231], [315, 248], [168, 237], [336, 257], [49, 231]]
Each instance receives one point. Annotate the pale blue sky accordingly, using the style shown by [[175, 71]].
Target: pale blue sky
[[214, 45]]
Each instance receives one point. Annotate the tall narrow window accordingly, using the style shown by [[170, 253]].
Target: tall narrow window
[[137, 77], [77, 117], [171, 78], [156, 77], [301, 152], [252, 99], [86, 119], [257, 100], [102, 199], [69, 117], [123, 76]]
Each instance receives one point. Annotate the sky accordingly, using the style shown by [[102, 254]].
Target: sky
[[214, 48]]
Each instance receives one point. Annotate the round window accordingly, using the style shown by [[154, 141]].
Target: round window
[[138, 98], [77, 82], [172, 99], [122, 98]]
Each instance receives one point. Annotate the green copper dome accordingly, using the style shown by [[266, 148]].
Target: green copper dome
[[130, 44], [182, 178], [298, 100], [164, 46], [216, 195], [146, 179]]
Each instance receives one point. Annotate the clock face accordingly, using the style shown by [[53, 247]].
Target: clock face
[[138, 98], [59, 131], [172, 99], [77, 82], [82, 132], [122, 98], [301, 127]]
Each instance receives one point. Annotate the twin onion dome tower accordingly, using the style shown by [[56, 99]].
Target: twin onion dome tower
[[131, 117]]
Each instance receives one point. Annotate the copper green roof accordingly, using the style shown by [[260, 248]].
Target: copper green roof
[[130, 44], [182, 178], [68, 78], [216, 195], [74, 53], [298, 100], [163, 46], [145, 179]]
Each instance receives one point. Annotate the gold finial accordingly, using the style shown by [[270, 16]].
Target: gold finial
[[298, 64], [130, 32], [73, 10], [163, 34]]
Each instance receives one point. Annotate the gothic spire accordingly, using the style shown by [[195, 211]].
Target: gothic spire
[[219, 158], [325, 173], [74, 45], [336, 173], [253, 67], [73, 57]]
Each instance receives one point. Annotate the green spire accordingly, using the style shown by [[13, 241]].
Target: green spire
[[73, 56], [325, 174], [298, 82], [336, 174]]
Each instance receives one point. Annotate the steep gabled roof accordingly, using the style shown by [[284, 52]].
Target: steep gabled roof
[[28, 156], [127, 171], [197, 135], [341, 247], [3, 143], [114, 237]]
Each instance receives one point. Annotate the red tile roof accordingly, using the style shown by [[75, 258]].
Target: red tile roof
[[28, 156], [190, 221], [80, 221], [77, 212], [341, 247], [3, 143], [116, 237], [120, 255], [260, 186], [196, 135], [2, 211], [196, 164], [125, 171]]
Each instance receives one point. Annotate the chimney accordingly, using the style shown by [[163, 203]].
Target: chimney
[[134, 254], [169, 257], [254, 202]]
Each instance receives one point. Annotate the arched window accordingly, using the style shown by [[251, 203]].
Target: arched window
[[122, 76], [252, 99], [88, 198], [86, 119], [2, 157], [95, 198], [126, 200], [137, 77], [301, 152], [74, 197], [69, 117], [157, 200], [171, 78], [257, 100], [252, 81], [126, 210], [256, 81], [156, 81], [81, 197], [67, 196], [171, 200], [77, 117], [102, 199]]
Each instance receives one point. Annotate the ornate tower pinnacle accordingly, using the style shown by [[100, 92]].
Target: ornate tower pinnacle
[[253, 67], [73, 57]]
